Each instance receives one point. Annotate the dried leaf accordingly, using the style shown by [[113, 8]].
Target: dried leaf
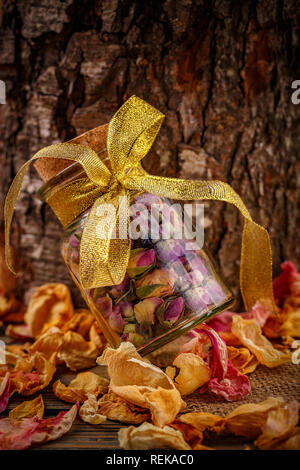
[[28, 409], [50, 305], [249, 333], [148, 436], [89, 411], [117, 409], [78, 389]]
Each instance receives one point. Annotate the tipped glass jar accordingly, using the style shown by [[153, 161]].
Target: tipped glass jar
[[171, 284]]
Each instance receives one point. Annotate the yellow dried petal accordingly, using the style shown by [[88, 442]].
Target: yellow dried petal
[[280, 425], [242, 359], [193, 373], [50, 305], [28, 409], [202, 421], [117, 409], [164, 405], [77, 390], [247, 420], [76, 352], [148, 436], [291, 326], [89, 411], [126, 367], [250, 335]]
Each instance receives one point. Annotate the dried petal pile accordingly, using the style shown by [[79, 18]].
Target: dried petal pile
[[217, 359]]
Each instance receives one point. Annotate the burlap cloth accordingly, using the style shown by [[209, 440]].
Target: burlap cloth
[[281, 381]]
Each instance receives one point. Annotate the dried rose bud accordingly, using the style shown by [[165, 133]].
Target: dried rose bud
[[174, 310], [144, 310]]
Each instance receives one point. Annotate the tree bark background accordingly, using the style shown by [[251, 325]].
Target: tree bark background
[[221, 72]]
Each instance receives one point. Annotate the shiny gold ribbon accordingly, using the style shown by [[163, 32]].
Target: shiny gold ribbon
[[131, 134]]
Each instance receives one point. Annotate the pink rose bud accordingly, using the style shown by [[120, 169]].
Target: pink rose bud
[[104, 305], [115, 320], [141, 257], [174, 309]]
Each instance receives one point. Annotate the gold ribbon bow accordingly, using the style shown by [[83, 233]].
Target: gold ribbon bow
[[103, 262]]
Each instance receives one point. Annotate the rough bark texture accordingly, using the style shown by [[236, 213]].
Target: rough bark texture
[[221, 72]]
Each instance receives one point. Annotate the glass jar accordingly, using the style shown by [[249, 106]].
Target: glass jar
[[171, 284]]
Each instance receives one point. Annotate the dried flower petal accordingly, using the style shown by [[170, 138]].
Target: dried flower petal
[[203, 421], [291, 326], [247, 420], [117, 409], [4, 392], [20, 332], [28, 409], [193, 373], [17, 435], [279, 426], [89, 411], [190, 434], [242, 359], [144, 310], [50, 305], [158, 283], [283, 284], [147, 436], [233, 386], [76, 352], [31, 374], [127, 367], [249, 333], [292, 443], [164, 405], [78, 389], [49, 344]]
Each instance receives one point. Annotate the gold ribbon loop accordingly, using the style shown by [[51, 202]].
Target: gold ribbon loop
[[104, 259]]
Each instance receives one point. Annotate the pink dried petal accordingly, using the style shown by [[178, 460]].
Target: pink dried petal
[[282, 284], [22, 434], [222, 321], [234, 386], [104, 305], [219, 352], [146, 258], [258, 313], [115, 319], [4, 392]]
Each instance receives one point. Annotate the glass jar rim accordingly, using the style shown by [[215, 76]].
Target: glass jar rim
[[64, 177]]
